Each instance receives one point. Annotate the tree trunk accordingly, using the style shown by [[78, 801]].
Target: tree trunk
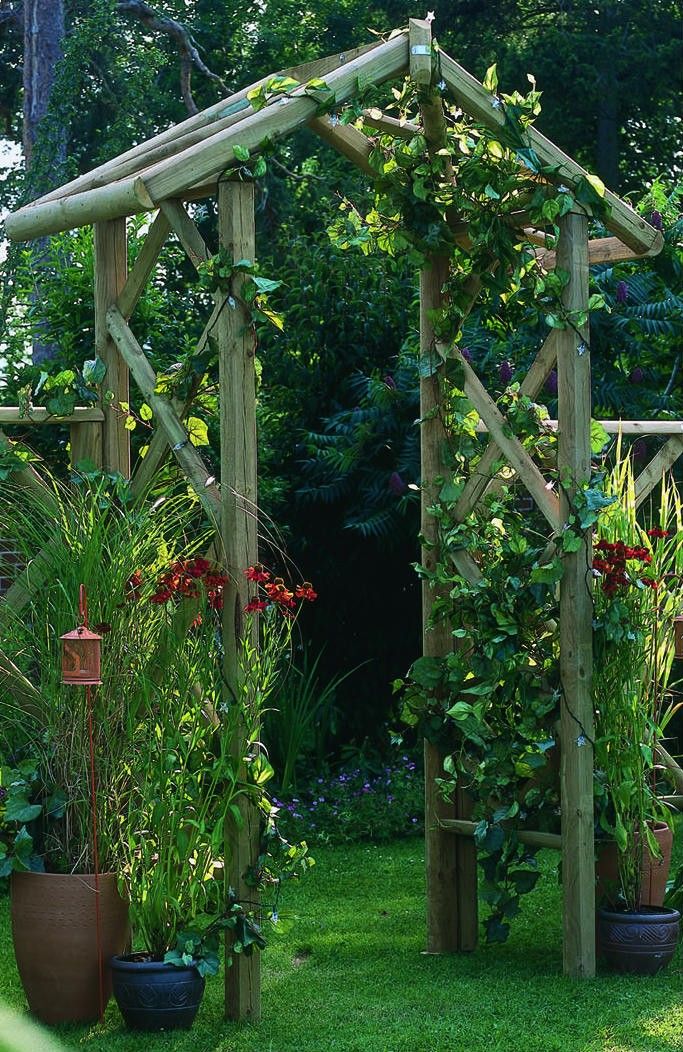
[[44, 141]]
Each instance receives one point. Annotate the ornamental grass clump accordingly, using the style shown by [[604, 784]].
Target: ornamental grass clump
[[638, 590]]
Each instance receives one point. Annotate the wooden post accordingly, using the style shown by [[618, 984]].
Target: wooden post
[[576, 611], [451, 861], [237, 380], [86, 444], [111, 268]]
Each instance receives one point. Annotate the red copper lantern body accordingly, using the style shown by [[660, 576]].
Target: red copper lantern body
[[81, 657], [81, 650], [678, 636]]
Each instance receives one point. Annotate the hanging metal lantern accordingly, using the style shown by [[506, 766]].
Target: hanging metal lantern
[[678, 636], [81, 650]]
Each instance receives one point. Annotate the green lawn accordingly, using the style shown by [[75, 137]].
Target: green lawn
[[350, 977]]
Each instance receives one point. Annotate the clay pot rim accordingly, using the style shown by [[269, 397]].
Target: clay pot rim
[[642, 915], [62, 876]]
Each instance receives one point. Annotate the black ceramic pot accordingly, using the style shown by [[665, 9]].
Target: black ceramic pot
[[152, 995], [640, 942]]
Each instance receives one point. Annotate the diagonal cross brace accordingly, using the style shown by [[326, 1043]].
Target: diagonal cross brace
[[485, 468], [509, 445], [168, 420]]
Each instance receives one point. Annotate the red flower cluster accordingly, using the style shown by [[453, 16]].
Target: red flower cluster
[[611, 565], [182, 581], [657, 533], [277, 592]]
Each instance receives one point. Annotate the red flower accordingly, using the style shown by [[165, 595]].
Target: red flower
[[198, 567], [657, 533], [279, 593], [255, 606], [305, 591], [215, 600], [133, 585], [215, 580], [162, 596], [258, 573]]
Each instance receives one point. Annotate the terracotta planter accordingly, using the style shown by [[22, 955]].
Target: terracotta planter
[[654, 872], [54, 933]]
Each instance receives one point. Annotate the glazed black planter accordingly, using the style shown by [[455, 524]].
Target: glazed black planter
[[152, 995], [639, 942]]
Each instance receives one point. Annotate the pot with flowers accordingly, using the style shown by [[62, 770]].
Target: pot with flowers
[[639, 587], [184, 777], [91, 537]]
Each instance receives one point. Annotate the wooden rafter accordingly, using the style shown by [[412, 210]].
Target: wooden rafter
[[623, 221], [196, 128], [170, 177]]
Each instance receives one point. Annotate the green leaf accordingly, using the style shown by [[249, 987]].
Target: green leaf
[[18, 809], [597, 184], [145, 412], [571, 542], [491, 79], [599, 437], [94, 371], [265, 284], [462, 710], [197, 431], [241, 153], [426, 672]]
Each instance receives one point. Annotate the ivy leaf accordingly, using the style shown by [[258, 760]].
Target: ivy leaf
[[241, 153], [266, 284], [491, 79], [145, 412], [599, 437], [571, 542], [94, 371], [197, 431], [18, 809]]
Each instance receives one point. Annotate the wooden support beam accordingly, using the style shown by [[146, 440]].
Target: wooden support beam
[[186, 231], [473, 97], [239, 534], [485, 468], [171, 177], [346, 140], [144, 265], [185, 453], [10, 414], [391, 125], [651, 475], [86, 444], [111, 266], [576, 614], [531, 837], [601, 250], [674, 769]]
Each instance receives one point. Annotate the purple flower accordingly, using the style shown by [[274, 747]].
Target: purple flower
[[389, 382], [551, 382], [390, 798], [410, 766], [396, 484], [505, 372], [413, 820], [622, 292], [466, 353], [656, 220], [637, 375]]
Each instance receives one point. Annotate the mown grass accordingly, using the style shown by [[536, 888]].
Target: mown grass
[[350, 977]]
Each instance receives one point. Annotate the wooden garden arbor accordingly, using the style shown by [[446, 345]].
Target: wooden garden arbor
[[194, 160]]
